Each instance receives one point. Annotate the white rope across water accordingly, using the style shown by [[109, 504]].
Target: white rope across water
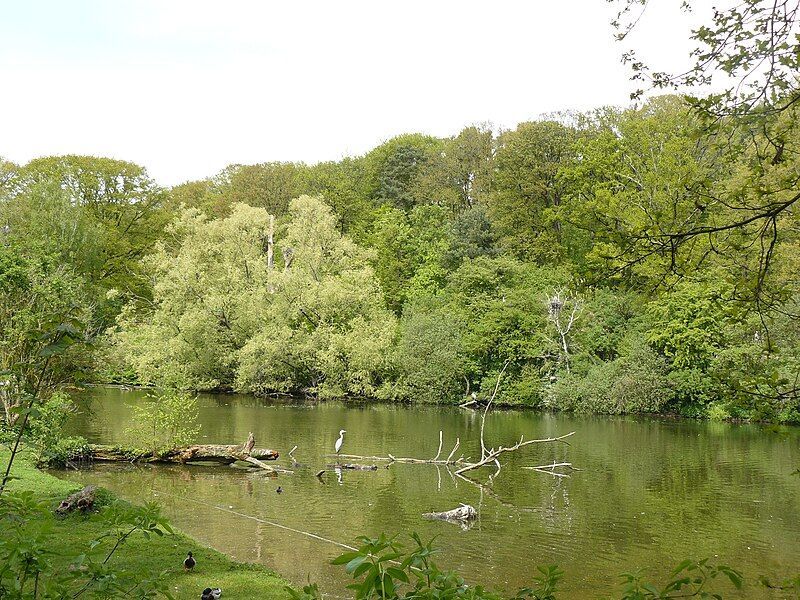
[[259, 520]]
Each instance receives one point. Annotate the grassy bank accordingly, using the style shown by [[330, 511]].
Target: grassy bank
[[139, 554]]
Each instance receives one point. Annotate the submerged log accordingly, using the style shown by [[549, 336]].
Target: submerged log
[[354, 467], [465, 512], [82, 500]]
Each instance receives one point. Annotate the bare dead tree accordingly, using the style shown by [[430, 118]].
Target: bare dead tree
[[563, 309], [489, 456]]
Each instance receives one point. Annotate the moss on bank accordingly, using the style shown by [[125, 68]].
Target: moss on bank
[[147, 556]]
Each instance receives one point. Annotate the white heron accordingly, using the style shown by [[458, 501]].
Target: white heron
[[340, 441]]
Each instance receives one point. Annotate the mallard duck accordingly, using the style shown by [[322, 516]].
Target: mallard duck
[[189, 562], [211, 594]]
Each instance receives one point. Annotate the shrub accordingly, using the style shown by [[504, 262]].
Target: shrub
[[633, 383], [167, 419]]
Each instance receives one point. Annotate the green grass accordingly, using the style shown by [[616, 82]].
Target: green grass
[[147, 556]]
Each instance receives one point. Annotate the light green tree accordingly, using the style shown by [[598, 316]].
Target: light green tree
[[208, 278], [323, 327]]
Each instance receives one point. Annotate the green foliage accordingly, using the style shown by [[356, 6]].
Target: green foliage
[[43, 309], [635, 382], [99, 215], [31, 569], [208, 283], [429, 357], [225, 317], [46, 432], [651, 221], [321, 327], [688, 579], [689, 325], [383, 569], [527, 191], [501, 301], [393, 167], [167, 420]]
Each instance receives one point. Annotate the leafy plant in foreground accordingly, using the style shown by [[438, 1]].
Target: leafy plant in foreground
[[383, 569], [31, 569], [688, 580]]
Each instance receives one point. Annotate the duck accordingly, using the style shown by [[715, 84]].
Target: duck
[[211, 594], [189, 562], [279, 490]]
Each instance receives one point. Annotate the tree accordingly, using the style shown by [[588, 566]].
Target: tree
[[207, 284], [343, 185], [224, 317], [429, 356], [101, 215], [323, 328], [458, 177], [267, 185], [752, 45], [393, 167], [527, 191], [642, 172], [43, 310], [409, 251]]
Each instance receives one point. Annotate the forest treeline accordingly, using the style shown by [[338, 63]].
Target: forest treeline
[[617, 261]]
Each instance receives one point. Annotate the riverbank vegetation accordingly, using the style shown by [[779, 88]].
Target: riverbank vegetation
[[575, 252], [620, 260]]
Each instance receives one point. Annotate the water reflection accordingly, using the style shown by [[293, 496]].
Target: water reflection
[[650, 493]]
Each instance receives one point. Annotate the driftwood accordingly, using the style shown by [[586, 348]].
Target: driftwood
[[82, 500], [465, 512], [551, 469], [353, 467], [414, 461], [489, 456], [220, 453]]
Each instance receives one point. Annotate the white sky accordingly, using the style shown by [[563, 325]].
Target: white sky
[[186, 87]]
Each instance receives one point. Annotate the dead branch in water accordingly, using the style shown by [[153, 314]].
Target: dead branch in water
[[489, 456], [492, 454], [551, 469], [415, 461]]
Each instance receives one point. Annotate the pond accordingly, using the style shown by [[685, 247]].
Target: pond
[[649, 494]]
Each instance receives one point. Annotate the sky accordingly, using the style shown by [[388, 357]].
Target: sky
[[187, 87]]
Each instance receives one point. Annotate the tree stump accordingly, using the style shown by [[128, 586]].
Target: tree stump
[[82, 500]]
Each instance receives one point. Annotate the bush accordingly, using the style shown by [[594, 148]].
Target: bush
[[382, 569], [46, 432], [430, 362], [634, 383], [167, 419], [66, 450]]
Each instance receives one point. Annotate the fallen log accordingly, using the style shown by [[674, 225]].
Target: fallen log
[[82, 500], [465, 512], [220, 453]]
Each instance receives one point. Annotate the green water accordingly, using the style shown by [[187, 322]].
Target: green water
[[650, 492]]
